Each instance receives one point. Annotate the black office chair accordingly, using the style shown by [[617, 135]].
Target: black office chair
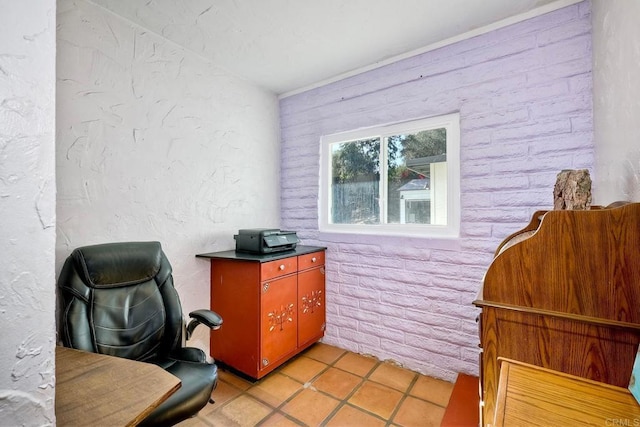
[[118, 299]]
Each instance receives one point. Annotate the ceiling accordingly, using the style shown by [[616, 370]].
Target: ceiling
[[289, 45]]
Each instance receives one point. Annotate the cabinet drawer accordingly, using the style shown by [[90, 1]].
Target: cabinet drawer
[[281, 267], [314, 259]]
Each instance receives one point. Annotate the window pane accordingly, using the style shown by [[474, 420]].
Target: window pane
[[396, 179], [417, 212], [417, 178], [355, 176]]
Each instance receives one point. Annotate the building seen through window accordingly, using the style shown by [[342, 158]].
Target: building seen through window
[[393, 178]]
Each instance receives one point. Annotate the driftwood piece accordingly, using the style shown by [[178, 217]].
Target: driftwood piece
[[572, 190]]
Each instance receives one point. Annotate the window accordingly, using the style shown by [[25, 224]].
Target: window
[[399, 179]]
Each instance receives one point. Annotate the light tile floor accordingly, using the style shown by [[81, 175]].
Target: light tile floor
[[327, 386]]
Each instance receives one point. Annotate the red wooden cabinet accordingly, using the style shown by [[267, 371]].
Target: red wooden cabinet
[[273, 307]]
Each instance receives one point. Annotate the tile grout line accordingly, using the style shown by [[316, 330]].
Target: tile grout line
[[341, 402], [308, 385], [405, 394], [345, 400], [278, 409]]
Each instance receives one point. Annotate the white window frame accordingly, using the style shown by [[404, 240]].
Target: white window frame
[[451, 122]]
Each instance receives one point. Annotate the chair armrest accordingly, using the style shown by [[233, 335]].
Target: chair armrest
[[206, 317]]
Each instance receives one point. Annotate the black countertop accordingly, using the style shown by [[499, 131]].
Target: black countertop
[[243, 256]]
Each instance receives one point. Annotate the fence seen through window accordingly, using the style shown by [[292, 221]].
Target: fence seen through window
[[414, 169]]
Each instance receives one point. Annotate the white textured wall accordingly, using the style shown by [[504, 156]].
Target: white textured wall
[[156, 143], [616, 95], [27, 209]]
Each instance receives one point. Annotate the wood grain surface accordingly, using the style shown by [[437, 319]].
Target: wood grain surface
[[98, 390], [566, 298], [532, 396]]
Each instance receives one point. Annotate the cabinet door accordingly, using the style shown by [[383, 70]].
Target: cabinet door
[[278, 320], [311, 305]]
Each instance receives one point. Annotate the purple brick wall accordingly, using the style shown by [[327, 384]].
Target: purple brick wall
[[524, 93]]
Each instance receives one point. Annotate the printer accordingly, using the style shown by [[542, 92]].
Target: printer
[[265, 240]]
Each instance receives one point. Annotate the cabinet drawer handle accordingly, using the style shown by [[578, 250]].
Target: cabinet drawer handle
[[313, 259], [281, 268]]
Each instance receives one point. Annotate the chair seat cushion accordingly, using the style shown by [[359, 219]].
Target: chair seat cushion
[[198, 382], [189, 354]]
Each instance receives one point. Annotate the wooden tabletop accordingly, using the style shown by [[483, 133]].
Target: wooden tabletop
[[94, 389], [533, 396]]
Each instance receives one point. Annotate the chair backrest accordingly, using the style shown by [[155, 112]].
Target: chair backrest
[[119, 299]]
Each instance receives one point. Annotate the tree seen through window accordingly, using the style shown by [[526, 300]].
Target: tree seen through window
[[356, 178]]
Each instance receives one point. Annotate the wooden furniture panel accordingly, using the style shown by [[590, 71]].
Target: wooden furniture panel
[[564, 296], [278, 268], [463, 406], [533, 396], [592, 254], [311, 306], [235, 295], [95, 389], [315, 259], [278, 320], [265, 303]]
